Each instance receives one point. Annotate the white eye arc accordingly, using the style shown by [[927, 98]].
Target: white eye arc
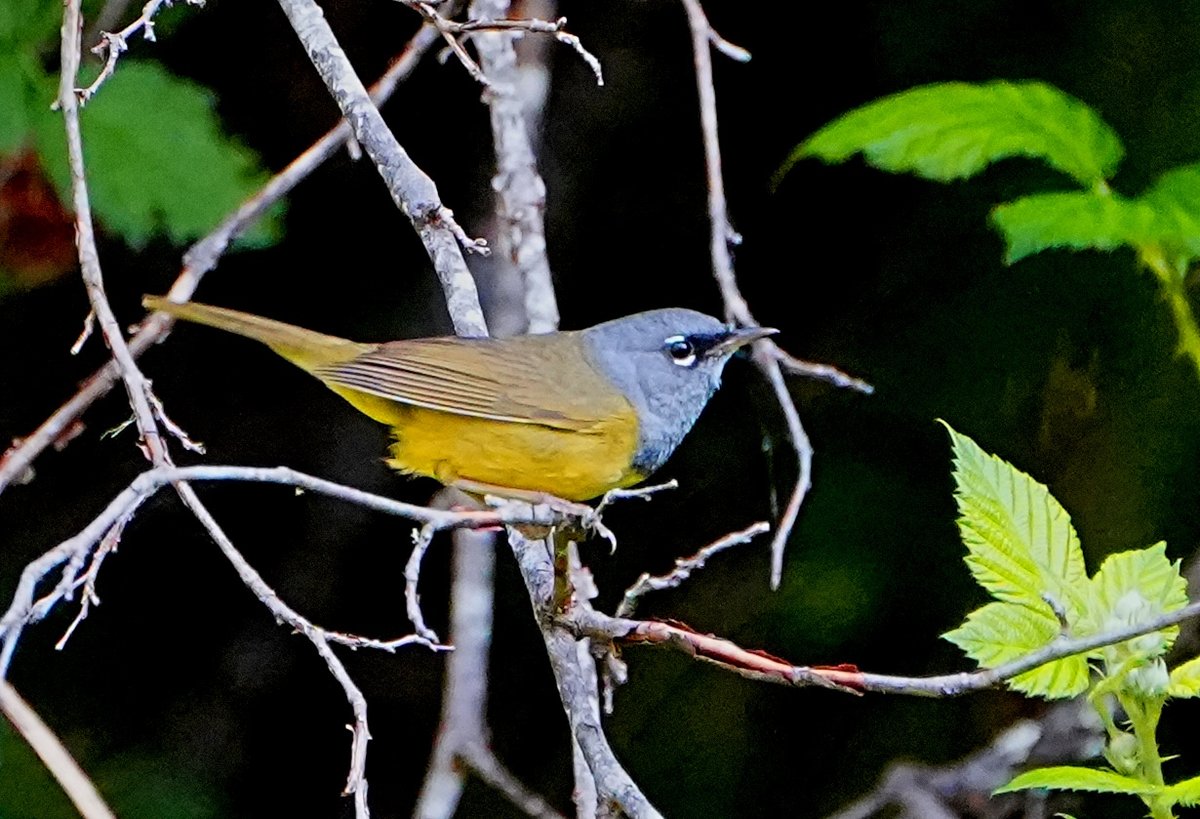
[[681, 351]]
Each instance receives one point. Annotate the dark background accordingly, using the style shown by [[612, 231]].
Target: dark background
[[184, 699]]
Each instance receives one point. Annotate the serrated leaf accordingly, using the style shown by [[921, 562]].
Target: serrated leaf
[[954, 130], [1185, 679], [1000, 632], [1186, 793], [1077, 220], [157, 161], [1021, 545], [1074, 778], [1133, 586]]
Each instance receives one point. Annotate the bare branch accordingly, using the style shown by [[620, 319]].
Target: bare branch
[[483, 22], [355, 642], [615, 789], [462, 744], [759, 665], [521, 191], [136, 386], [684, 566], [356, 782], [823, 372], [88, 597], [412, 574], [804, 457], [74, 551], [584, 794], [89, 324], [199, 259], [483, 763], [733, 52], [463, 734], [449, 31], [54, 755], [722, 236], [1070, 732], [722, 232], [115, 43], [24, 609], [111, 14], [411, 189]]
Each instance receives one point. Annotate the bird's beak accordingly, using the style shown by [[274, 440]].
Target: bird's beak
[[740, 337]]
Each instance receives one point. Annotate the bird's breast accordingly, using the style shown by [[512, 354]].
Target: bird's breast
[[570, 464]]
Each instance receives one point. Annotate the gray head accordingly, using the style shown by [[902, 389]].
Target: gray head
[[668, 364]]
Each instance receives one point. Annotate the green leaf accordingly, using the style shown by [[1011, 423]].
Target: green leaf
[[1175, 199], [14, 117], [1000, 632], [1185, 679], [1021, 545], [1074, 778], [954, 130], [1167, 216], [1186, 793], [157, 161], [1078, 220], [28, 25], [1133, 587]]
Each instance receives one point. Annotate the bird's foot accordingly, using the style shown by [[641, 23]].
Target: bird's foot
[[572, 513]]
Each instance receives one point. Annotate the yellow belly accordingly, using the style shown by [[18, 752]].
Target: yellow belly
[[570, 464]]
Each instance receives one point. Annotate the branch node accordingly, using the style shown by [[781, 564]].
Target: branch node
[[412, 574]]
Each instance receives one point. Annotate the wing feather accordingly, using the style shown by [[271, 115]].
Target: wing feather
[[544, 380]]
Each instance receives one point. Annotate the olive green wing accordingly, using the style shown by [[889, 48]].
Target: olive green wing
[[543, 380]]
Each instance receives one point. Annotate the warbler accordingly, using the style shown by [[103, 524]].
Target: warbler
[[570, 414]]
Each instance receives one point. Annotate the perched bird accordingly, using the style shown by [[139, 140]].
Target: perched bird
[[567, 414]]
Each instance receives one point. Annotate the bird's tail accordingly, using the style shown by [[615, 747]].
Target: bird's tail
[[304, 348]]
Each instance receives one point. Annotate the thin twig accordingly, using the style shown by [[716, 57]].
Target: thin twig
[[823, 372], [89, 324], [54, 755], [759, 665], [356, 782], [483, 763], [684, 566], [449, 34], [1070, 732], [198, 260], [112, 13], [638, 492], [722, 235], [88, 597], [451, 29], [25, 609], [804, 456], [355, 642], [412, 575], [115, 43], [135, 383]]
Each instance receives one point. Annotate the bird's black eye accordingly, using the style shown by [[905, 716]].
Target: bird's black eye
[[682, 351]]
